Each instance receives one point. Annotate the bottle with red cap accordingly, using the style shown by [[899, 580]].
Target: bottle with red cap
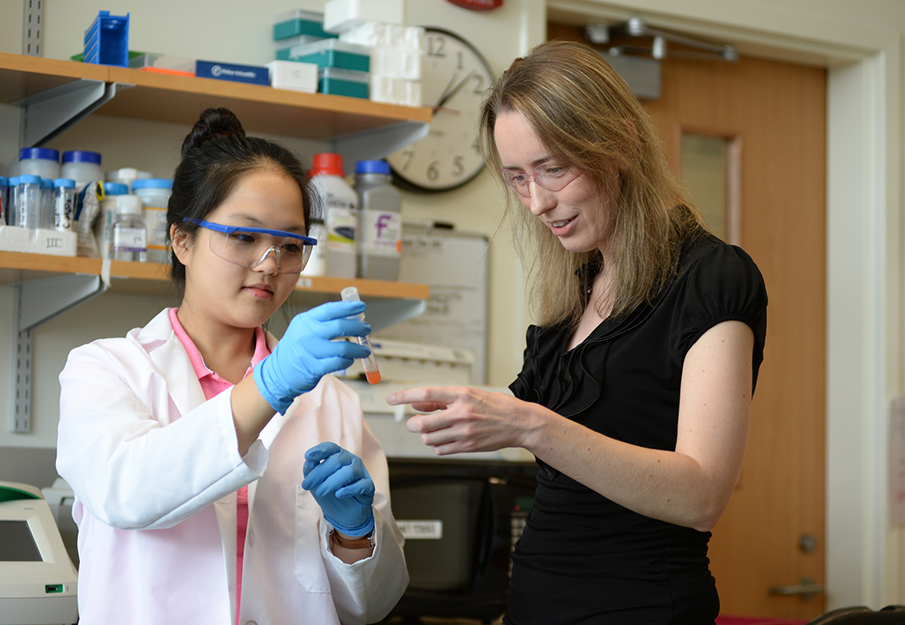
[[339, 203]]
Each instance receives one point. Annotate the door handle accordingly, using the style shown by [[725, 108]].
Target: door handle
[[805, 588]]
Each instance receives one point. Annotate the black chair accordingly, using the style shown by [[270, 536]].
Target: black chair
[[859, 615]]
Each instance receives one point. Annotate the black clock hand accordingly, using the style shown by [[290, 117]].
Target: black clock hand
[[449, 94], [443, 98]]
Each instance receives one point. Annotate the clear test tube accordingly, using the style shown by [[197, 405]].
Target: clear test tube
[[372, 374]]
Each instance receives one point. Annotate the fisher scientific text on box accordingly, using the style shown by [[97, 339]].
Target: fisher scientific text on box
[[254, 74]]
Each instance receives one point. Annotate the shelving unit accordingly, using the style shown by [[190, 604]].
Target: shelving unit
[[53, 95]]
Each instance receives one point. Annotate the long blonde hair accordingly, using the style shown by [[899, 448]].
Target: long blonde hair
[[585, 114]]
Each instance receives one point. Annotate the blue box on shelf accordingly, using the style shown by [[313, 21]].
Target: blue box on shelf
[[254, 74], [107, 40], [343, 82]]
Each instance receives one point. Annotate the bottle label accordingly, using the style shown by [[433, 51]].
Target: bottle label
[[129, 239], [62, 215], [382, 233], [156, 225], [341, 229]]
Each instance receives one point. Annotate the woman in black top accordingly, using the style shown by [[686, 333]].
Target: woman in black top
[[636, 388]]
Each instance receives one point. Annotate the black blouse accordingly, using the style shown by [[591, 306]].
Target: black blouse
[[582, 558]]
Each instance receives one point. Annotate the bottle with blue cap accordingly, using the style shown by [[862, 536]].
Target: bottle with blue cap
[[380, 227], [155, 195], [41, 162], [63, 204], [28, 201], [81, 166]]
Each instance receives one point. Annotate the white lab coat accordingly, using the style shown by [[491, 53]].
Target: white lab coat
[[155, 469]]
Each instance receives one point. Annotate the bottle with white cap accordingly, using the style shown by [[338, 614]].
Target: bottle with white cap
[[103, 223], [129, 241]]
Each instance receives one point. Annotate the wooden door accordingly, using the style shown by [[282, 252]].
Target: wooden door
[[773, 118]]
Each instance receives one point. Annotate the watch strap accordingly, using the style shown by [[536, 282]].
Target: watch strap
[[363, 542]]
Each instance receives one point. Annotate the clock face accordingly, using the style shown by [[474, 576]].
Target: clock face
[[454, 77]]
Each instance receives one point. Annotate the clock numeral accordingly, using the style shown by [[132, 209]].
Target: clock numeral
[[458, 166], [479, 84], [436, 46], [408, 154], [432, 171]]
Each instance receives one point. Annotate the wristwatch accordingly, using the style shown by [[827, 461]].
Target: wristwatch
[[364, 542]]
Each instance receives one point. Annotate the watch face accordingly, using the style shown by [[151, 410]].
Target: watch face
[[454, 77]]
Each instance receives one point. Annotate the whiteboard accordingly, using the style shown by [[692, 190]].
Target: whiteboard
[[454, 265]]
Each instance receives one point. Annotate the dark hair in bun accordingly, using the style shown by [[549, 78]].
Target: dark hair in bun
[[215, 154]]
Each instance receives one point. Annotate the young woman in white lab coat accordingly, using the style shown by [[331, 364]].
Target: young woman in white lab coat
[[222, 477]]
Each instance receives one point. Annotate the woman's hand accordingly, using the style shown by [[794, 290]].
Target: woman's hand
[[466, 419], [688, 486]]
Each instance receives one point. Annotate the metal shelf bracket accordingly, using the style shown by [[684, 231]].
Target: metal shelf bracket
[[383, 313], [50, 112], [36, 302], [379, 142]]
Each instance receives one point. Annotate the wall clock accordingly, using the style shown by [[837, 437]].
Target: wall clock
[[454, 77]]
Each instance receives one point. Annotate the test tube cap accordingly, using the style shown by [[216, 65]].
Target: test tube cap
[[350, 294]]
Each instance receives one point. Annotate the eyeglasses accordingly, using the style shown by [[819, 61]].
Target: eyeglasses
[[550, 177], [249, 247]]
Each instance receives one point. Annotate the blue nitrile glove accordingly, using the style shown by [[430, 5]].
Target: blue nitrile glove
[[342, 487], [307, 352]]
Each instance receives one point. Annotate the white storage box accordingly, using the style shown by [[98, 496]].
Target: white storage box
[[403, 362], [376, 34], [293, 75], [38, 241], [341, 15], [396, 62], [395, 90]]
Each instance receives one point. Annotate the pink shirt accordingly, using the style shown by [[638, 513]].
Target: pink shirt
[[212, 385]]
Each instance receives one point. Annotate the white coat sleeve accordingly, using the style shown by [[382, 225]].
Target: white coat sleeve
[[130, 457], [366, 591]]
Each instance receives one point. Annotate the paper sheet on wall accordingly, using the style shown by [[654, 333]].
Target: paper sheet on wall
[[454, 264], [897, 461]]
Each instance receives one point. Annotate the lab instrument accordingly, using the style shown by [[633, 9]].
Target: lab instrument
[[38, 582]]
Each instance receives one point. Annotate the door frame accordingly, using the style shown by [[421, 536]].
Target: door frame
[[862, 52]]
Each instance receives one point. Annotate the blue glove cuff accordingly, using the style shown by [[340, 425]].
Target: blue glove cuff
[[354, 532], [260, 376]]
